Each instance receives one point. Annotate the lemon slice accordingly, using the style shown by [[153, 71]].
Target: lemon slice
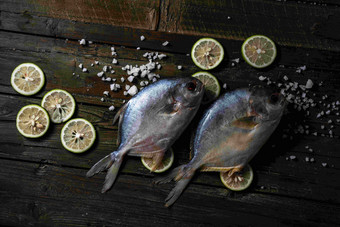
[[78, 135], [212, 87], [259, 51], [27, 79], [238, 181], [59, 104], [32, 121], [207, 53], [167, 161]]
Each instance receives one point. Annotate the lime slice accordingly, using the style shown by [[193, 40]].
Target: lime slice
[[207, 53], [27, 79], [59, 104], [211, 86], [238, 181], [78, 135], [259, 51], [32, 121], [167, 161]]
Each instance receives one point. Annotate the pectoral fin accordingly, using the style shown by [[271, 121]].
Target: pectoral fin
[[245, 122]]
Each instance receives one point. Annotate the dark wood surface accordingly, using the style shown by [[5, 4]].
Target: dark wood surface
[[42, 184]]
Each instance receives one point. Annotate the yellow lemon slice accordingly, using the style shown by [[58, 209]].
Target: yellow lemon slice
[[167, 161], [212, 87], [238, 181], [207, 53]]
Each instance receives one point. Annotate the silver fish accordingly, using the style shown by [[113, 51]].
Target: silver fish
[[151, 121], [230, 133]]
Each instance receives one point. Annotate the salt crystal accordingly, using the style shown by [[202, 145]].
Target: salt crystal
[[114, 61], [82, 42], [165, 43], [112, 49], [161, 56], [85, 70], [154, 79], [324, 164], [224, 86], [108, 79], [122, 79], [106, 93], [100, 74], [80, 65], [111, 108], [114, 53], [330, 121], [285, 78], [262, 78], [73, 74], [142, 37], [133, 90], [125, 93], [92, 64], [307, 159], [96, 62], [102, 99], [179, 67], [112, 71], [105, 68], [138, 48], [322, 126], [130, 78], [90, 42], [309, 84], [127, 87], [292, 157], [159, 66], [142, 83]]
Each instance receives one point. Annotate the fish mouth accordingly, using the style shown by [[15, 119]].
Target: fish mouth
[[199, 85]]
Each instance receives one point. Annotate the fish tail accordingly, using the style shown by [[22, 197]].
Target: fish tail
[[102, 165], [177, 191], [182, 175], [112, 174]]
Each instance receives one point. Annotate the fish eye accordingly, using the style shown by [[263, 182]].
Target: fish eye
[[191, 86], [274, 98]]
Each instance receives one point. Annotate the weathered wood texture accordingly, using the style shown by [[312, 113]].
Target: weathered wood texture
[[43, 184], [308, 24]]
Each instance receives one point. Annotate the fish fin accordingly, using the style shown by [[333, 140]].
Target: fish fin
[[177, 191], [157, 158], [102, 165], [120, 112], [112, 174], [169, 177], [245, 122], [120, 115]]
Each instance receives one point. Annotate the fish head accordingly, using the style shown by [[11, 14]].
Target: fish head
[[267, 103], [189, 92]]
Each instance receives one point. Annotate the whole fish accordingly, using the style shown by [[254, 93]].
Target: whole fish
[[230, 133], [151, 121]]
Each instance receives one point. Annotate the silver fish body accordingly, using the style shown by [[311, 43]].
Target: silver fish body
[[151, 122], [230, 133]]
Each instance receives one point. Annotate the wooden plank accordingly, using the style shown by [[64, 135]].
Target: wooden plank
[[128, 13], [274, 174], [42, 194], [287, 23]]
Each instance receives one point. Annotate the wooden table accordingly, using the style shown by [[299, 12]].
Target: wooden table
[[42, 184]]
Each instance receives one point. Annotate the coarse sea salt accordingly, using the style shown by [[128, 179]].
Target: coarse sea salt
[[133, 90], [142, 38], [82, 42], [111, 108]]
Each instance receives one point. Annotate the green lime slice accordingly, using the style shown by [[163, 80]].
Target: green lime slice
[[32, 121], [238, 181], [78, 135], [166, 163], [59, 104], [27, 79], [259, 51], [212, 87], [207, 53]]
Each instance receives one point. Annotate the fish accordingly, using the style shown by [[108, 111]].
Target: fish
[[150, 122], [229, 135]]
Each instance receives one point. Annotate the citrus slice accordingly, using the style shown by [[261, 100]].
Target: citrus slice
[[78, 135], [27, 79], [167, 161], [238, 181], [32, 121], [259, 51], [59, 104], [207, 53], [211, 86]]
